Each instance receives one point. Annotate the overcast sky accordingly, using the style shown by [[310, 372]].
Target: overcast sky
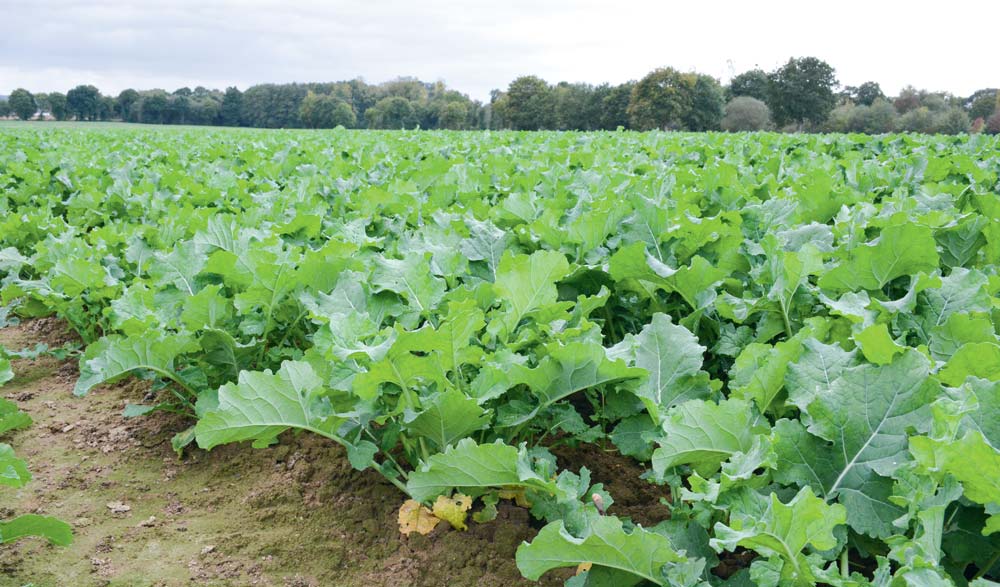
[[53, 45]]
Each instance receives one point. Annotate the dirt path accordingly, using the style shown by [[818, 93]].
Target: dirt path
[[291, 515]]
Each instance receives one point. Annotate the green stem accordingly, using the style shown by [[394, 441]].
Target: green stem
[[399, 484], [845, 565], [387, 455], [989, 565], [784, 317], [173, 377], [291, 327]]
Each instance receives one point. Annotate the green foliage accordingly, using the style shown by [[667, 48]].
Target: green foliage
[[603, 543], [661, 100], [751, 84], [793, 336], [84, 102], [22, 104], [802, 91], [745, 113], [323, 111], [528, 104], [394, 112]]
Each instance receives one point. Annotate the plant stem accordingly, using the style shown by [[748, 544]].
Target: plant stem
[[989, 565]]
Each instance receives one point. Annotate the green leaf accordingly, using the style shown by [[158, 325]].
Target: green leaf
[[178, 268], [446, 418], [207, 308], [970, 460], [11, 417], [673, 358], [816, 370], [568, 369], [975, 359], [416, 358], [783, 532], [634, 437], [13, 471], [957, 330], [411, 278], [262, 405], [604, 543], [759, 371], [899, 250], [857, 437], [877, 345], [223, 352], [703, 434], [986, 418], [6, 373], [114, 357], [468, 466], [55, 531], [527, 283], [645, 273]]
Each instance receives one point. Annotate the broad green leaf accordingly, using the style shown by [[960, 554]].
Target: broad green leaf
[[262, 405], [784, 531], [963, 290], [74, 276], [693, 283], [975, 359], [970, 460], [986, 417], [416, 358], [568, 369], [877, 344], [703, 434], [207, 309], [54, 530], [113, 357], [604, 543], [13, 471], [411, 278], [6, 373], [857, 436], [223, 352], [759, 371], [446, 418], [960, 329], [634, 437], [179, 268], [11, 417], [899, 250], [815, 371], [528, 282], [673, 358], [468, 467]]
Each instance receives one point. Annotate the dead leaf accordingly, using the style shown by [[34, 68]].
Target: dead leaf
[[414, 517], [519, 496], [453, 509]]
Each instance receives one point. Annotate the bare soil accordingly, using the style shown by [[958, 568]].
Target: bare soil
[[293, 515]]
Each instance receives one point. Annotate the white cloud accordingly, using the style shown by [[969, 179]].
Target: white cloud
[[475, 46]]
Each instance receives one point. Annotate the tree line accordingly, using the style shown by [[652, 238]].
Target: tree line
[[801, 95]]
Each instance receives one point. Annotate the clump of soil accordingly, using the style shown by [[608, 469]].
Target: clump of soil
[[295, 514]]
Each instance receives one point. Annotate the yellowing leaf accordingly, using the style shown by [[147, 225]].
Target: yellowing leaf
[[583, 567], [414, 517], [519, 496], [453, 509]]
